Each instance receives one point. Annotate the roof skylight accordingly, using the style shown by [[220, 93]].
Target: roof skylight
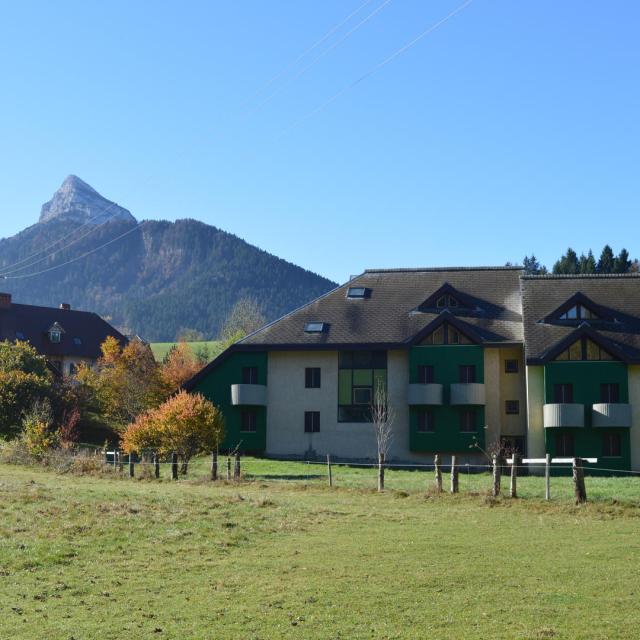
[[314, 327], [357, 292]]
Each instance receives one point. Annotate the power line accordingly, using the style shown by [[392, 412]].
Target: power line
[[53, 253], [337, 43], [379, 66], [84, 255], [305, 53], [53, 244]]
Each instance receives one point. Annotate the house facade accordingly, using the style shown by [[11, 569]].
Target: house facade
[[67, 338], [469, 357]]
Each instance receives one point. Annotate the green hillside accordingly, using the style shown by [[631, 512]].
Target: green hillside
[[210, 347]]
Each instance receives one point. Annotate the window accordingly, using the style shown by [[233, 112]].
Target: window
[[73, 368], [610, 392], [312, 377], [248, 421], [611, 445], [357, 292], [314, 327], [55, 336], [77, 342], [511, 366], [564, 445], [467, 420], [512, 407], [579, 312], [362, 395], [585, 349], [446, 301], [20, 335], [466, 373], [425, 374], [249, 375], [359, 374], [563, 393], [426, 422], [311, 421], [446, 334]]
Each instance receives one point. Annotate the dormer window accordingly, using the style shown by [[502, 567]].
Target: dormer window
[[584, 349], [579, 312], [55, 333], [314, 327], [446, 334]]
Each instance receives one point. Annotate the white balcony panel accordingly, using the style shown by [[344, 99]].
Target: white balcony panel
[[608, 414], [249, 394], [563, 415], [467, 393], [425, 394]]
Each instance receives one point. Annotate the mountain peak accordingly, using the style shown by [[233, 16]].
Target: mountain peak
[[77, 201]]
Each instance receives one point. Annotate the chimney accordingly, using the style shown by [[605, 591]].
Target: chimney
[[5, 301], [65, 306]]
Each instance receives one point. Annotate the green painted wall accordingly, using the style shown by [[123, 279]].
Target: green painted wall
[[447, 437], [586, 378], [216, 386]]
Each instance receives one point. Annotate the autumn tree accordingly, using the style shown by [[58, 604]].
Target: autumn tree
[[24, 380], [179, 365], [187, 424], [125, 383]]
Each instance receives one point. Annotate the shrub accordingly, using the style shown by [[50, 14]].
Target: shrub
[[38, 433]]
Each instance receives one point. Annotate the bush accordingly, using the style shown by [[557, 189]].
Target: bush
[[38, 433]]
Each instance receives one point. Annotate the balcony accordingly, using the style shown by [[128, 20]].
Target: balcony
[[563, 415], [608, 414], [249, 394], [425, 394], [467, 393]]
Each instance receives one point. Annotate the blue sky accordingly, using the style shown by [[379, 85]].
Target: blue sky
[[511, 129]]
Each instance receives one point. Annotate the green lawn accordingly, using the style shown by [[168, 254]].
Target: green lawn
[[160, 349], [282, 556]]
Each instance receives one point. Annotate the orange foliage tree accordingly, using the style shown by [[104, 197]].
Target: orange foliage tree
[[186, 424], [180, 365]]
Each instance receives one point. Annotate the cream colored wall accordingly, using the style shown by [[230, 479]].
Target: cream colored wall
[[492, 413], [634, 400], [513, 387], [535, 404], [288, 399], [67, 362]]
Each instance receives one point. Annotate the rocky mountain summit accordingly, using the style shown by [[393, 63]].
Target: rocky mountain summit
[[78, 202]]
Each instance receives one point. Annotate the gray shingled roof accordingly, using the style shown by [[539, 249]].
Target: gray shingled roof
[[389, 315], [542, 295]]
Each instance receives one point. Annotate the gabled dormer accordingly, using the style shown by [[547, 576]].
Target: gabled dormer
[[447, 329], [55, 333], [585, 344], [578, 309], [447, 297]]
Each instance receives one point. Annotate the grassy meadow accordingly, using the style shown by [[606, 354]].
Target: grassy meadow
[[160, 349], [282, 556]]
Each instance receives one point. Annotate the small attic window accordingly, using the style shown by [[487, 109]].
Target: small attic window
[[77, 342], [579, 312], [20, 335], [357, 292], [314, 327], [446, 301], [55, 336]]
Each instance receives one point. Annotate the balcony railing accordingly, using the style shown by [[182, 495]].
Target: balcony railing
[[609, 414], [563, 415], [249, 394], [425, 394], [467, 393]]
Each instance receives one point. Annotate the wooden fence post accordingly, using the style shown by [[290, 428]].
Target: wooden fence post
[[578, 481], [228, 468], [214, 465], [454, 475], [156, 465], [329, 471], [174, 466], [132, 470], [380, 471], [236, 468], [495, 491], [513, 490], [547, 477], [438, 472]]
